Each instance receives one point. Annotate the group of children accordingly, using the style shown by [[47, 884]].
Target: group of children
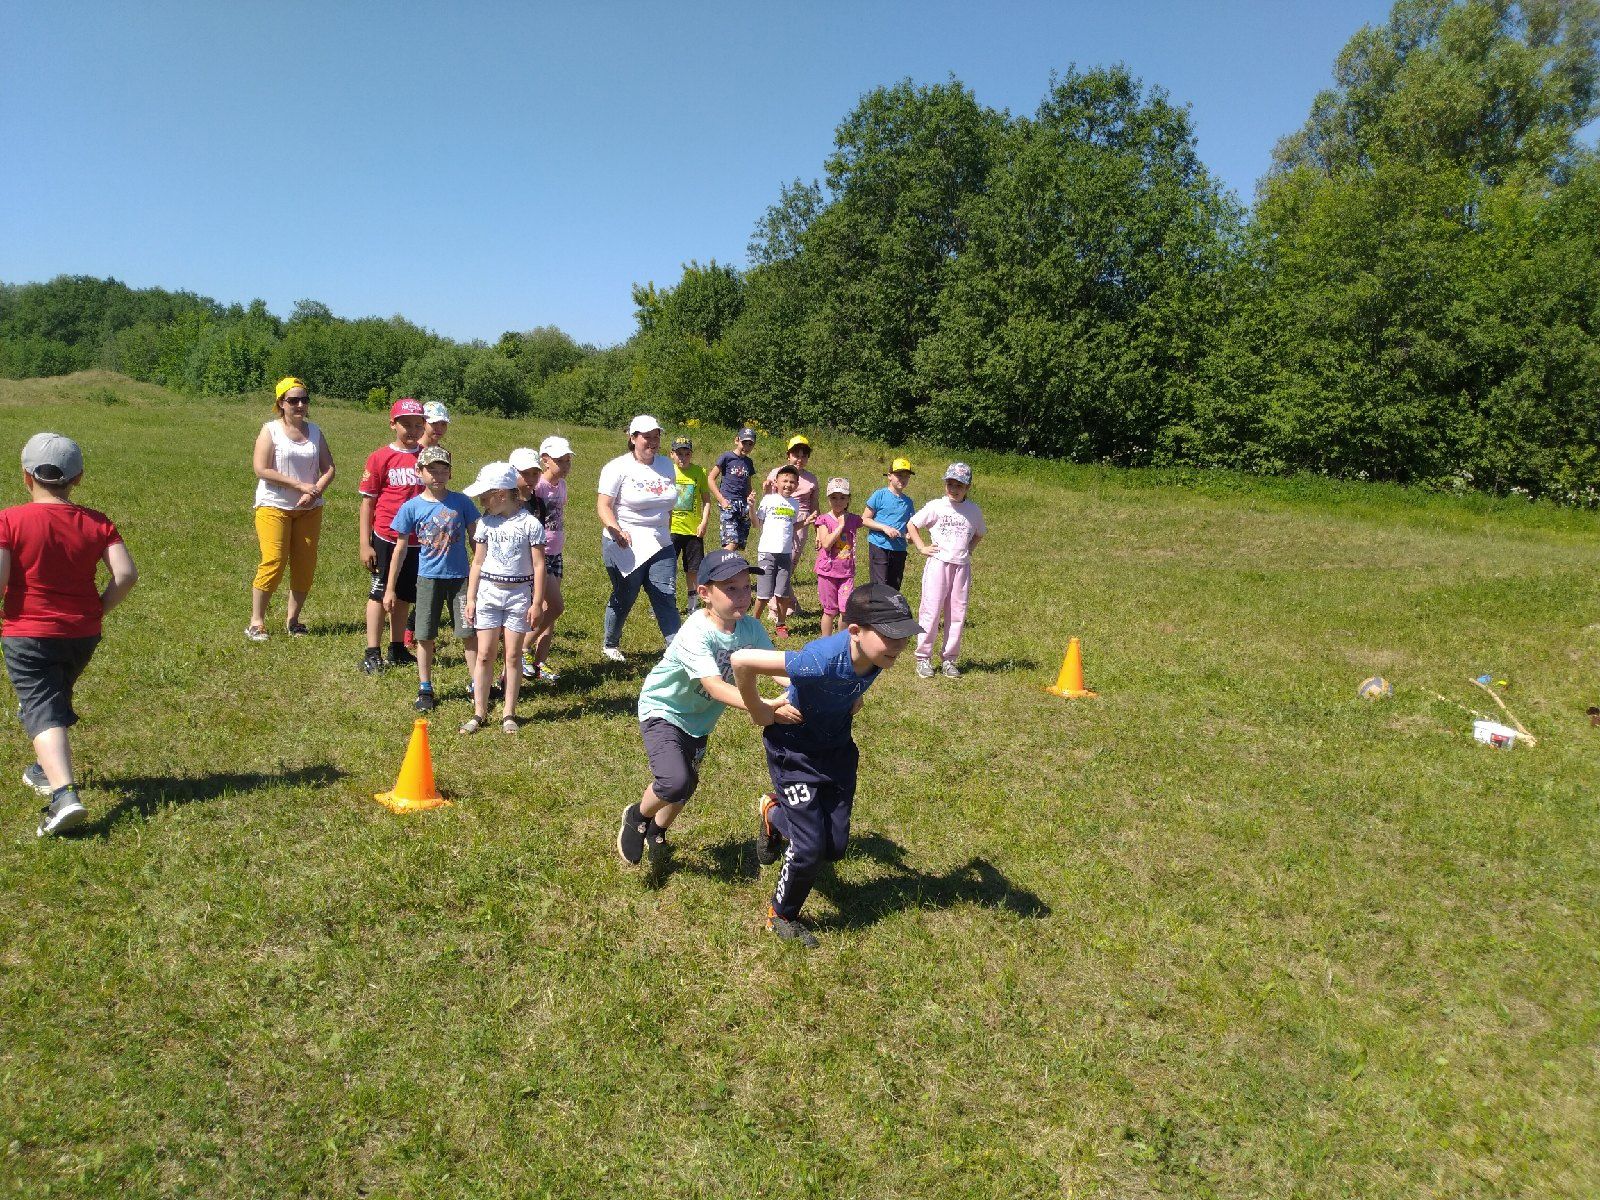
[[492, 556]]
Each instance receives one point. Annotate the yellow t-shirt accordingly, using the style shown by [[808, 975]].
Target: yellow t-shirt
[[692, 493]]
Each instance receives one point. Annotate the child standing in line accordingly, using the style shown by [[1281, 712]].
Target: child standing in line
[[885, 516], [442, 521], [836, 553], [806, 493], [955, 525], [730, 487], [813, 764], [690, 512], [389, 480], [682, 698], [555, 457], [49, 551], [777, 515], [504, 585]]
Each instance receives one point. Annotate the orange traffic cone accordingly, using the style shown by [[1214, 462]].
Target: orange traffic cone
[[1069, 684], [414, 791]]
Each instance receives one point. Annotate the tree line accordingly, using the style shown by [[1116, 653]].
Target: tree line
[[1413, 294]]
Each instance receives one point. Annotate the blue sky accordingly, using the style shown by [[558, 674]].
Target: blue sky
[[480, 167]]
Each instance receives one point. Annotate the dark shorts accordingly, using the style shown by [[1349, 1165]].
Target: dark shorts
[[553, 566], [43, 671], [674, 759], [886, 566], [405, 588], [433, 596]]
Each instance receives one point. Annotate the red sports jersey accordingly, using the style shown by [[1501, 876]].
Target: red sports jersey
[[391, 476], [55, 549]]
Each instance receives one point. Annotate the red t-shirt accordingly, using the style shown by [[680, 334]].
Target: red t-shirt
[[55, 549], [391, 476]]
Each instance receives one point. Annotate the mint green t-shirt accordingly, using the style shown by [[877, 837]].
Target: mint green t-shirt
[[699, 650]]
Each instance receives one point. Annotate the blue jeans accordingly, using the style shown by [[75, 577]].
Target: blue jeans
[[658, 578]]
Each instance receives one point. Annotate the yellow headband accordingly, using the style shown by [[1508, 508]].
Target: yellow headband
[[285, 384]]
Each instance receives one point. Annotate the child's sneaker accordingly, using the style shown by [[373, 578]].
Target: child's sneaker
[[425, 701], [768, 839], [63, 814], [546, 676], [254, 633], [530, 670], [35, 778], [924, 669], [630, 835], [372, 664], [789, 931], [949, 670], [657, 852], [613, 653], [399, 656]]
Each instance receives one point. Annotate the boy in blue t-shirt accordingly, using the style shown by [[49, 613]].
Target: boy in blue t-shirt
[[887, 511], [442, 521], [813, 764], [684, 695], [729, 481]]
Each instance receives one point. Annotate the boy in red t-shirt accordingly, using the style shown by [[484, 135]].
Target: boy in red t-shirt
[[49, 551], [390, 479]]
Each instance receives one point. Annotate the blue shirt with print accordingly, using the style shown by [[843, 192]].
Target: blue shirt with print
[[889, 509], [824, 686], [441, 528]]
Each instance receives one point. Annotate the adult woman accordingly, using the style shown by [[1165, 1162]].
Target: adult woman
[[293, 469], [637, 492]]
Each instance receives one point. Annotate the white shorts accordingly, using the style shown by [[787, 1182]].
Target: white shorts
[[503, 606]]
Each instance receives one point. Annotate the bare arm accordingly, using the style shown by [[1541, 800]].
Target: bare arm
[[827, 538], [606, 509], [747, 664], [721, 690], [869, 520], [536, 605], [915, 535], [712, 477], [123, 576], [479, 552], [396, 561], [369, 556]]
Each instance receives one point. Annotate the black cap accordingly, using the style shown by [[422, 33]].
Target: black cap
[[682, 442], [723, 564], [878, 606]]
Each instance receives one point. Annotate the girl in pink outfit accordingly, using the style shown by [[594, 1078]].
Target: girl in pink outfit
[[955, 525], [836, 553]]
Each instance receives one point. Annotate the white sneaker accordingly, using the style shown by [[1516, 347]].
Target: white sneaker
[[924, 669], [35, 778], [949, 670], [614, 654], [62, 815]]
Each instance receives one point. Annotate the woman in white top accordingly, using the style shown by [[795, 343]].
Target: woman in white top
[[293, 468], [637, 492]]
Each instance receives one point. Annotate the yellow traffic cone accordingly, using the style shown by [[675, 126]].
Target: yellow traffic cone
[[1069, 684], [414, 791]]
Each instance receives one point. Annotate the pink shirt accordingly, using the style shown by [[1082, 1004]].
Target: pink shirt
[[839, 560], [951, 527], [554, 496]]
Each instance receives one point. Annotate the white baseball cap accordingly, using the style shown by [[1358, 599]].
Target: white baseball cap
[[524, 459], [495, 476], [643, 423], [434, 411], [555, 447]]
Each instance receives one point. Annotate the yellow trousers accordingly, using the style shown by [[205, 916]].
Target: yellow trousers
[[288, 536]]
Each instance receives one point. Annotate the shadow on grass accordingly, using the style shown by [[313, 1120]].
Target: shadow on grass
[[993, 666], [141, 795], [336, 628], [576, 708], [976, 881]]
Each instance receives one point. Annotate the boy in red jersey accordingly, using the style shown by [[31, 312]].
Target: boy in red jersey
[[389, 480], [49, 551]]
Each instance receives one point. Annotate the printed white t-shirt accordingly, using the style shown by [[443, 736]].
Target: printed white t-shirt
[[778, 515], [510, 542], [951, 526]]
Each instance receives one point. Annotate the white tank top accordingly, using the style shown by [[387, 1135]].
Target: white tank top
[[297, 460]]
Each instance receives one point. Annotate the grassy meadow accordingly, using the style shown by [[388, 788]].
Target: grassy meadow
[[1225, 931]]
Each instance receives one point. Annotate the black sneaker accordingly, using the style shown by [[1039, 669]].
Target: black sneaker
[[790, 931], [658, 854], [768, 840], [63, 814], [372, 664], [630, 836], [425, 701], [399, 656]]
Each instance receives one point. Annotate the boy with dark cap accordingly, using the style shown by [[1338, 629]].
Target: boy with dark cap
[[684, 695], [813, 763], [49, 551]]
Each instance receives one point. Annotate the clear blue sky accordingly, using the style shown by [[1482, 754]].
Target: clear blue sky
[[479, 167]]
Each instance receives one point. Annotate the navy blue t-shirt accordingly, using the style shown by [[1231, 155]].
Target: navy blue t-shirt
[[824, 687], [736, 470]]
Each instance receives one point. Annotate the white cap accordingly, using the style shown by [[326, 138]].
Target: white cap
[[524, 459], [555, 447], [495, 476], [643, 423], [434, 411]]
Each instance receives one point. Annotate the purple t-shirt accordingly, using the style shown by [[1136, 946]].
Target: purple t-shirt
[[554, 496], [839, 560]]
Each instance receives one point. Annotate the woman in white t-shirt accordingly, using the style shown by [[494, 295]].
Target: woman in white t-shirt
[[293, 468], [637, 492]]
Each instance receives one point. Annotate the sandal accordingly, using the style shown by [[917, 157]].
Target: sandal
[[255, 633], [510, 725], [473, 724], [298, 629]]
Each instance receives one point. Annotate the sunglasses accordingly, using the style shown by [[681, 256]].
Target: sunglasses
[[297, 399]]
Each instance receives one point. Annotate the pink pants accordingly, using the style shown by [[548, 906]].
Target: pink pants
[[944, 594]]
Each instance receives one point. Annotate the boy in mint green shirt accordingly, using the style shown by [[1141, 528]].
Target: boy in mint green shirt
[[682, 698]]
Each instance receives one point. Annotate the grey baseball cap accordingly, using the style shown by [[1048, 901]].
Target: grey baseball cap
[[52, 458]]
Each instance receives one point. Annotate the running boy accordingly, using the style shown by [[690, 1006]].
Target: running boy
[[887, 511], [813, 764], [504, 585], [690, 512], [955, 525], [390, 479], [730, 487], [836, 553], [442, 521], [49, 550], [682, 698], [777, 515]]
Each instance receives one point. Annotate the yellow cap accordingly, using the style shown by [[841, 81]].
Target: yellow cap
[[902, 464], [284, 384], [798, 439]]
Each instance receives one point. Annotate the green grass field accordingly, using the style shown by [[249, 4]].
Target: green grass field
[[1225, 931]]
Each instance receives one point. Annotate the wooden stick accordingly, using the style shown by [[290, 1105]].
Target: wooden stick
[[1470, 711], [1495, 696]]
